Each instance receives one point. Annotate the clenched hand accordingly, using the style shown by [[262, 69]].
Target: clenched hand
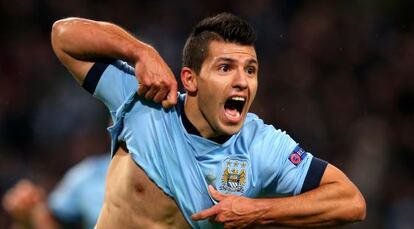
[[21, 200], [156, 80]]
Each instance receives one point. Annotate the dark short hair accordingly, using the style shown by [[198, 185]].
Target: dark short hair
[[222, 27]]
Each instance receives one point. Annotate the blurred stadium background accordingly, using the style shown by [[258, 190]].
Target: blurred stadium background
[[338, 76]]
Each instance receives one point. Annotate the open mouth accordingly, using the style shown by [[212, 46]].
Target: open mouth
[[234, 106]]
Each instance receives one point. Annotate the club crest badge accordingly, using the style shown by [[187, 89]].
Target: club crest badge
[[234, 176]]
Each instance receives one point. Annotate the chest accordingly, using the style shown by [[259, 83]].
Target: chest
[[171, 156], [128, 186]]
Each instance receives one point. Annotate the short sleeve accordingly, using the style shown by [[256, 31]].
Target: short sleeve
[[293, 169], [111, 81], [63, 201], [79, 196], [290, 169]]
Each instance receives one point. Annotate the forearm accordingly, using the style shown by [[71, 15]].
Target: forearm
[[87, 40], [336, 201], [78, 43], [41, 218], [330, 204]]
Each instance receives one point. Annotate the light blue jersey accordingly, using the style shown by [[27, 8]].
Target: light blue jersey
[[80, 194], [258, 161]]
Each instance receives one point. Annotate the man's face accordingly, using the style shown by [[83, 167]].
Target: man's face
[[226, 86]]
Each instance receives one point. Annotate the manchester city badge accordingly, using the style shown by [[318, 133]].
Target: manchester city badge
[[234, 176]]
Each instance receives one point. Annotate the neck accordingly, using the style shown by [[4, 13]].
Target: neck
[[192, 129], [196, 118]]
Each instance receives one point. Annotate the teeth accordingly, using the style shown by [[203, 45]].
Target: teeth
[[237, 98]]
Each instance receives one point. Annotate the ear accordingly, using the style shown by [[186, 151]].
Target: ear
[[189, 80]]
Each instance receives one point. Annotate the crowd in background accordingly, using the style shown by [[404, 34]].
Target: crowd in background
[[338, 76]]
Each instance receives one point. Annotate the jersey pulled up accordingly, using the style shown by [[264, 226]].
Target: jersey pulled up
[[258, 161]]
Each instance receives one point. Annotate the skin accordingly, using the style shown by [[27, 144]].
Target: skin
[[132, 200], [229, 70], [336, 201], [157, 82], [26, 203], [129, 194]]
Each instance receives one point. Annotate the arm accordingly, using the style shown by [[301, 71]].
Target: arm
[[335, 201], [27, 205], [79, 42]]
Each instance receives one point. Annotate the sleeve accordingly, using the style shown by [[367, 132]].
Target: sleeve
[[64, 199], [111, 81], [292, 170]]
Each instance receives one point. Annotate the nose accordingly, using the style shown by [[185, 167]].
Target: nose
[[240, 80]]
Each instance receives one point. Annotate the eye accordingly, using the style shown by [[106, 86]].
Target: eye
[[251, 70], [224, 68]]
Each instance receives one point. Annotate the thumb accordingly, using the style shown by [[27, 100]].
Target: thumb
[[215, 194]]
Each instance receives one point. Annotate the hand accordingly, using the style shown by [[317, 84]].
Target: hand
[[156, 81], [22, 200], [233, 211]]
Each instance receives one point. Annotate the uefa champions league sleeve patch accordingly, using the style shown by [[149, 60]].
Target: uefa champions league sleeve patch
[[297, 156]]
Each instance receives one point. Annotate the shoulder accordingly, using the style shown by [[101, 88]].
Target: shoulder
[[95, 162], [104, 64], [105, 67], [256, 126], [264, 135], [88, 167], [139, 106], [151, 117]]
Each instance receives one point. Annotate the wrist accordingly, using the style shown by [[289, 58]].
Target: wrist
[[41, 217], [39, 211], [263, 207], [138, 51]]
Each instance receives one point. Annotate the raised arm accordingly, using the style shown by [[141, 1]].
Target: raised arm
[[78, 43], [336, 201]]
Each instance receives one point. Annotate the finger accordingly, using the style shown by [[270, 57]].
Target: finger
[[231, 225], [27, 194], [149, 95], [21, 198], [215, 194], [228, 226], [205, 214], [15, 196], [220, 218], [39, 195], [171, 97], [8, 201], [161, 95], [234, 224], [142, 89]]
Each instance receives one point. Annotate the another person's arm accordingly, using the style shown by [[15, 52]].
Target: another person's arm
[[26, 203], [78, 43], [336, 201]]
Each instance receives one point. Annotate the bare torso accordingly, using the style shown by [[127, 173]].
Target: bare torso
[[132, 200]]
